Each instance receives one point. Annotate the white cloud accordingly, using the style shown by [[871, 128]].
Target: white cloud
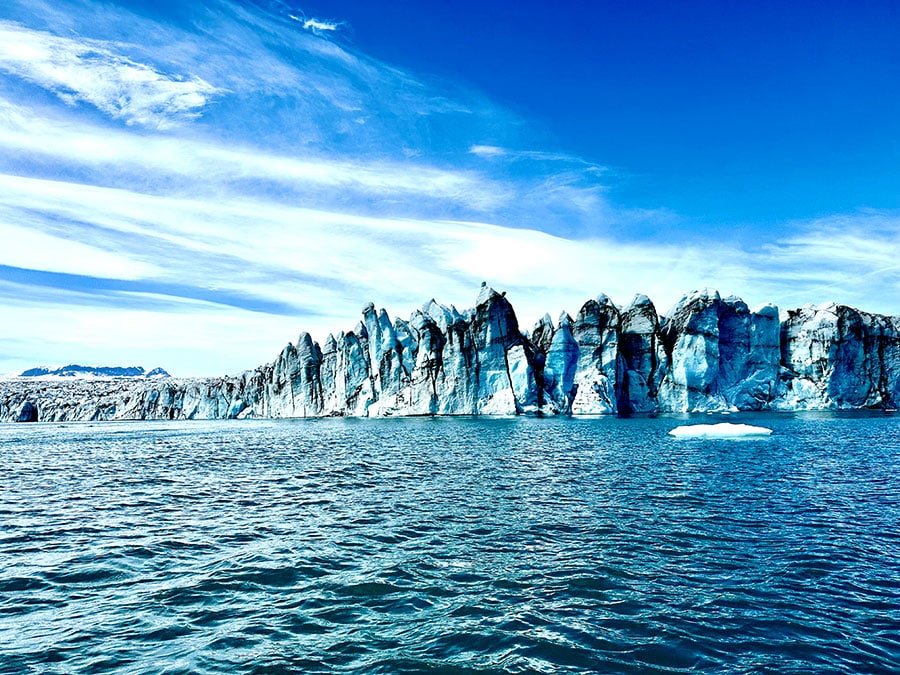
[[327, 180], [92, 71], [317, 26], [494, 151], [208, 166], [199, 339], [845, 258], [488, 151], [329, 263], [303, 120], [25, 246]]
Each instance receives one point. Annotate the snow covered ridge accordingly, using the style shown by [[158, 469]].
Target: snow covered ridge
[[89, 372], [707, 353]]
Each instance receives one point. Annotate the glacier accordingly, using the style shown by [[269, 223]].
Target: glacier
[[706, 354]]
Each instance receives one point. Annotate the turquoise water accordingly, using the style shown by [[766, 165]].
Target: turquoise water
[[450, 546]]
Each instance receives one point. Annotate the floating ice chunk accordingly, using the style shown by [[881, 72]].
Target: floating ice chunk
[[723, 430]]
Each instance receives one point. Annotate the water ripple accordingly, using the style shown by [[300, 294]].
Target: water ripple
[[449, 546]]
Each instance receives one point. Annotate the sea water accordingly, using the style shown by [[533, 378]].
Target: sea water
[[450, 546]]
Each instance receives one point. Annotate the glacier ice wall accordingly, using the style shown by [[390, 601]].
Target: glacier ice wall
[[707, 353]]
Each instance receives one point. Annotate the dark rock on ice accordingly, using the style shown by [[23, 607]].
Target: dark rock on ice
[[28, 413]]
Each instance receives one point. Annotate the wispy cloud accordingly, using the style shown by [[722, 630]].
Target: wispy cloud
[[317, 26], [212, 167], [299, 119], [194, 257], [488, 151], [244, 168], [511, 154], [26, 245], [91, 71], [846, 258]]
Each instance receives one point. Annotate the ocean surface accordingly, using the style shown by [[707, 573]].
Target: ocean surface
[[450, 546]]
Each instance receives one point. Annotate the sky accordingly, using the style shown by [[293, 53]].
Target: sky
[[189, 184]]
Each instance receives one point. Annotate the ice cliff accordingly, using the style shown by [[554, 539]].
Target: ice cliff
[[708, 353]]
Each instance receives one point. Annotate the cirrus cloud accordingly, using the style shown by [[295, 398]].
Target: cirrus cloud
[[249, 177], [93, 72]]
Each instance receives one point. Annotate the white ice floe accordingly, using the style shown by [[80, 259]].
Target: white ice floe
[[723, 430]]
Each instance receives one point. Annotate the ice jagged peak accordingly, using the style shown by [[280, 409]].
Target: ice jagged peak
[[689, 301], [486, 294], [705, 294], [639, 300], [767, 310], [465, 315], [541, 334], [442, 315], [305, 342]]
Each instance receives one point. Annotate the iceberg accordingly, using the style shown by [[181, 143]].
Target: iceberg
[[722, 430]]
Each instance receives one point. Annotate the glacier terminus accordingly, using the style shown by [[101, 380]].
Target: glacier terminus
[[709, 353]]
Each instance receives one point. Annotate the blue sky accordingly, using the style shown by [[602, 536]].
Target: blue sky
[[189, 184]]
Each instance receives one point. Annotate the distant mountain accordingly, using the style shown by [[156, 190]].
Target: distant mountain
[[95, 371]]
